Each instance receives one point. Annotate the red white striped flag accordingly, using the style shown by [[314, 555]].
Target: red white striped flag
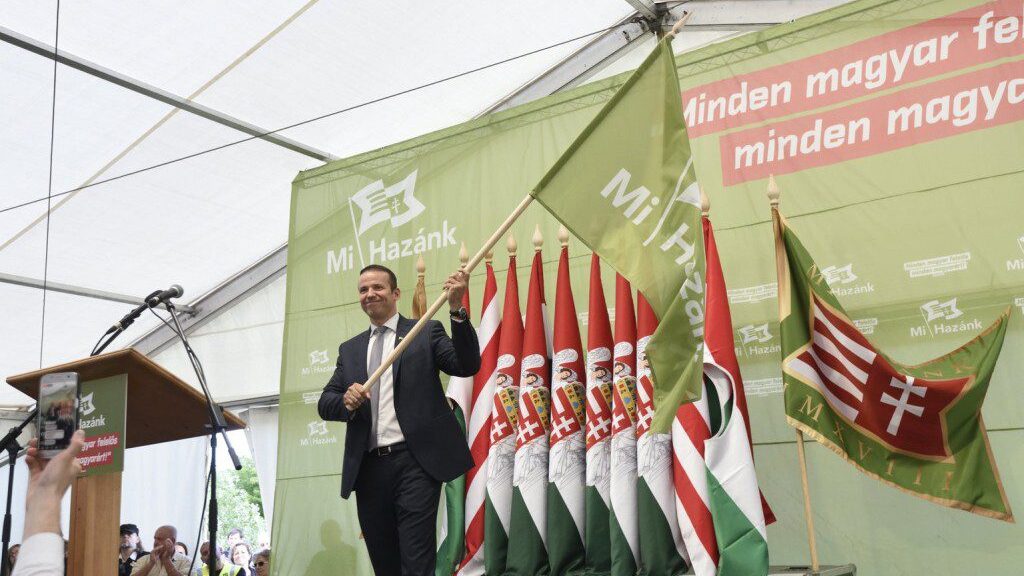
[[566, 468], [689, 474], [527, 552], [504, 416], [478, 429], [599, 425], [625, 536], [661, 544]]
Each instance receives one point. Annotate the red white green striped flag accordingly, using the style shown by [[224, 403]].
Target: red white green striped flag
[[661, 545], [625, 536], [452, 515], [567, 465], [527, 553], [734, 498], [478, 430], [504, 415], [599, 426]]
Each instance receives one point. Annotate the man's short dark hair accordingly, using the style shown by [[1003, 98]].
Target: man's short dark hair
[[378, 268], [129, 529], [234, 531]]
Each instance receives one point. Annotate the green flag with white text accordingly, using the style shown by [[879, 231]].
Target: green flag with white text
[[626, 187]]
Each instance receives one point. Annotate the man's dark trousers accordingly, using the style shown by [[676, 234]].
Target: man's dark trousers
[[396, 500]]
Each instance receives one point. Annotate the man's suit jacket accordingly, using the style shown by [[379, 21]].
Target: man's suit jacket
[[432, 434]]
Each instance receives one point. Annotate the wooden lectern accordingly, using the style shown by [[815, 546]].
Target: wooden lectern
[[160, 407]]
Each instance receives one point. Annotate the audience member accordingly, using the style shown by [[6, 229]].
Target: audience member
[[181, 547], [235, 536], [164, 559], [241, 555], [222, 568], [261, 561], [48, 480], [131, 549]]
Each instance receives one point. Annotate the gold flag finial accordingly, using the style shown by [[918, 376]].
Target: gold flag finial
[[538, 239], [511, 245], [463, 255], [773, 191], [563, 235], [489, 256], [421, 267], [705, 202]]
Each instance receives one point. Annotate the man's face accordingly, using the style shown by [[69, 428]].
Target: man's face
[[129, 540], [163, 537], [232, 540], [204, 552], [378, 299]]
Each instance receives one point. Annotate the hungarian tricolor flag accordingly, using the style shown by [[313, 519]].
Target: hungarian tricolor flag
[[626, 188], [917, 428], [478, 430], [661, 546], [567, 465], [527, 553], [599, 426], [624, 522], [504, 415], [734, 498], [451, 535]]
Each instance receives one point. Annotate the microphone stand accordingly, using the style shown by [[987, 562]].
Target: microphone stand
[[13, 447], [217, 426]]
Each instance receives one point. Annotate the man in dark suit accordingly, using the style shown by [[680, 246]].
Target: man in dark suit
[[402, 440]]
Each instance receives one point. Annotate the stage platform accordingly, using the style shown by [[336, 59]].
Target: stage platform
[[844, 570]]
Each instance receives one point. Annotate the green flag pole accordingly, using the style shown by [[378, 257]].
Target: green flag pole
[[487, 247], [782, 269]]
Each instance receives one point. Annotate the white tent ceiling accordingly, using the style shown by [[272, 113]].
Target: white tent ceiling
[[199, 221]]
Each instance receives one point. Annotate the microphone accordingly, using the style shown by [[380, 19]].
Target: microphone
[[162, 296], [154, 299]]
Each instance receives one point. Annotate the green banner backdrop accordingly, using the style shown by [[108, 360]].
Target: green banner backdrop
[[894, 130]]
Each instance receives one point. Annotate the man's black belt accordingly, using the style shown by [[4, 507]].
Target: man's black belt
[[388, 450]]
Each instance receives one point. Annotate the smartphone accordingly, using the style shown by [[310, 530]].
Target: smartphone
[[58, 412]]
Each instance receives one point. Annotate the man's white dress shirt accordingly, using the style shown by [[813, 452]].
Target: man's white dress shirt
[[388, 430]]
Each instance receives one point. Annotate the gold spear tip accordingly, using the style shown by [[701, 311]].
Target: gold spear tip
[[563, 235], [511, 245], [421, 266], [489, 256], [538, 239], [463, 255], [773, 191], [705, 202]]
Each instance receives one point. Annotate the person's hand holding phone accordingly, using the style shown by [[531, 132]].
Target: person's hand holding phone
[[48, 480]]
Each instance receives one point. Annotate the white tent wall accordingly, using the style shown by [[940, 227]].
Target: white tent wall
[[261, 432], [164, 484]]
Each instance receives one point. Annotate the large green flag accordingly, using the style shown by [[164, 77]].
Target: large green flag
[[627, 189], [917, 428]]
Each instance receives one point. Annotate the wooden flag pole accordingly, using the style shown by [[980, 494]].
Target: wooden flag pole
[[680, 24], [807, 501], [773, 200], [473, 262]]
